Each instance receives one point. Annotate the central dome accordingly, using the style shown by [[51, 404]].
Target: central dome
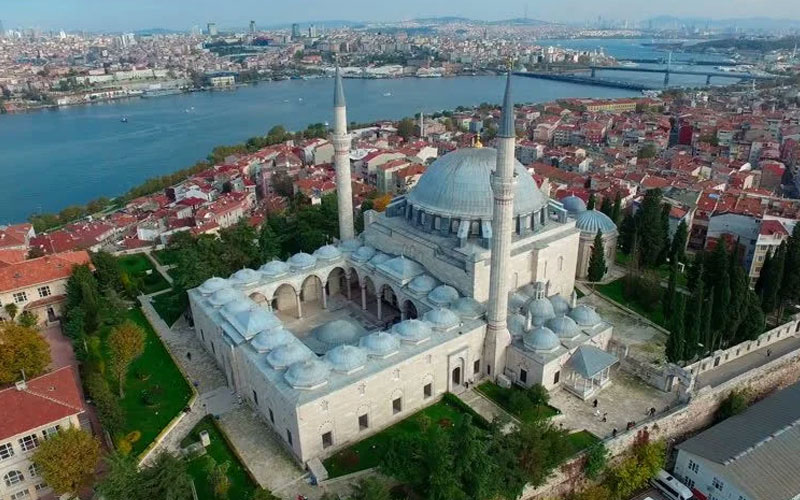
[[457, 186]]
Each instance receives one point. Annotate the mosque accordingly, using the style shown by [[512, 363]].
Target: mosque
[[469, 277]]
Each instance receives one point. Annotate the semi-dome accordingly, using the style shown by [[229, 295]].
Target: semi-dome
[[274, 269], [541, 339], [457, 186], [328, 252], [288, 354], [590, 221], [302, 260], [223, 296], [468, 308], [271, 339], [573, 204], [412, 330], [564, 326], [211, 285], [246, 276], [560, 304], [442, 318], [423, 284], [338, 332], [516, 324], [585, 315], [443, 295], [350, 245], [363, 254], [379, 258], [307, 374], [541, 310], [346, 358], [380, 344]]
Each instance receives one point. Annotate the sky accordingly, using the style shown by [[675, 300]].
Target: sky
[[124, 15]]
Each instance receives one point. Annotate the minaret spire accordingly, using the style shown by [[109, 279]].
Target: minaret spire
[[503, 182], [341, 146]]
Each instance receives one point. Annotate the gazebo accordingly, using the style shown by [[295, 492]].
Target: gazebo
[[588, 371]]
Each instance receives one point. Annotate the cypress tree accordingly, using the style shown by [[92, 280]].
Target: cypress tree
[[753, 322], [696, 271], [675, 349], [664, 234], [669, 298], [705, 327], [678, 248], [763, 276], [592, 202], [650, 228], [772, 285], [737, 307], [693, 321], [616, 210], [627, 232], [597, 261], [790, 285], [606, 206]]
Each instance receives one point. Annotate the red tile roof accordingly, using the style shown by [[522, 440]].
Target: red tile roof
[[14, 236], [49, 398], [41, 270]]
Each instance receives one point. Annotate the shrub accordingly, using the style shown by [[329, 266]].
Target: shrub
[[134, 436], [735, 403], [538, 395], [108, 408]]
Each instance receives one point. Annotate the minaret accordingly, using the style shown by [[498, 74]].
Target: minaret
[[503, 182], [341, 147]]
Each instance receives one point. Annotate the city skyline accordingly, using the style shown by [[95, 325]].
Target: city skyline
[[182, 15]]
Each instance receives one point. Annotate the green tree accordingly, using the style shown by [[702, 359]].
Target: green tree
[[596, 460], [28, 320], [538, 395], [166, 478], [627, 233], [606, 207], [616, 210], [268, 243], [239, 246], [218, 478], [23, 353], [676, 341], [706, 327], [108, 271], [541, 449], [734, 403], [67, 461], [11, 309], [121, 479], [406, 128], [108, 409], [693, 323], [650, 228], [370, 488], [678, 249], [665, 248], [83, 293], [592, 202], [597, 260], [646, 152], [790, 284], [754, 321], [772, 286], [672, 290], [125, 344]]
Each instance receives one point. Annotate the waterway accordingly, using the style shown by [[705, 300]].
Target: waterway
[[54, 158]]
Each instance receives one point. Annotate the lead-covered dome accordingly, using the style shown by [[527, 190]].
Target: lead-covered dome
[[540, 339], [516, 324], [271, 339], [328, 252], [564, 326], [590, 221], [338, 332], [457, 186], [246, 276], [224, 296], [585, 315], [211, 285], [302, 260], [573, 204], [363, 254], [442, 319], [307, 374], [346, 358], [541, 310], [468, 308], [560, 304], [274, 269], [380, 344], [288, 354], [412, 330], [443, 295], [423, 284]]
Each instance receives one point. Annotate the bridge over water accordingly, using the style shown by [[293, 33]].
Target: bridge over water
[[668, 71]]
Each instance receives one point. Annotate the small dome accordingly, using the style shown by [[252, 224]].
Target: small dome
[[307, 374], [256, 320], [402, 268], [516, 325], [224, 296], [560, 304], [211, 285], [328, 252], [379, 258], [302, 260], [443, 295], [564, 326], [363, 254], [540, 339], [517, 302], [468, 308], [541, 310], [585, 315], [350, 245], [246, 276], [271, 339], [590, 221], [442, 319], [573, 204], [380, 344], [423, 284], [338, 332], [412, 330], [242, 303], [346, 358], [288, 354], [274, 269]]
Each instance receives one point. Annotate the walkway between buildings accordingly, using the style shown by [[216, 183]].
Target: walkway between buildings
[[743, 364]]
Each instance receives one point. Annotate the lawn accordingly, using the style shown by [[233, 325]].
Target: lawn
[[516, 402], [166, 257], [170, 305], [614, 291], [155, 390], [242, 485], [142, 271], [368, 452], [663, 270], [581, 440]]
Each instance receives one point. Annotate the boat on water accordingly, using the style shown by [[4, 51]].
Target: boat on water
[[124, 119], [387, 94], [160, 92]]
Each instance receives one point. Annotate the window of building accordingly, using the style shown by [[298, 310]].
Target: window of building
[[44, 291], [716, 483], [560, 263], [51, 431], [556, 377], [271, 416], [523, 375], [6, 451], [40, 486], [255, 397], [327, 440], [363, 422], [694, 467], [21, 494], [20, 297], [33, 470], [476, 367], [30, 442], [13, 477], [488, 369], [213, 349], [202, 335], [397, 405], [689, 482], [289, 436], [427, 391]]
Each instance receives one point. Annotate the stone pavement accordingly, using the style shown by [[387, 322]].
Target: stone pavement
[[161, 269], [487, 408], [745, 363]]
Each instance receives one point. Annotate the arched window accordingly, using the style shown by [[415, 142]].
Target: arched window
[[13, 477], [560, 263]]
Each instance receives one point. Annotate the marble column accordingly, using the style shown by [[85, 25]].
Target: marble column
[[299, 305]]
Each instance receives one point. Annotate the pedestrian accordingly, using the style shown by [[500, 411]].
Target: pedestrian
[[652, 411], [769, 352], [189, 355], [614, 432], [605, 417], [594, 404]]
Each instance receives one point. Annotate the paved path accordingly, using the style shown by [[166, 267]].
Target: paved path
[[745, 363], [487, 408], [161, 269]]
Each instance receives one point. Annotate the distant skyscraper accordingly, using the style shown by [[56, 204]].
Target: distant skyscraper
[[295, 31], [212, 29], [252, 27], [312, 32]]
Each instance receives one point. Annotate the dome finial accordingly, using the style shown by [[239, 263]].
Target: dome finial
[[338, 91], [507, 117]]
